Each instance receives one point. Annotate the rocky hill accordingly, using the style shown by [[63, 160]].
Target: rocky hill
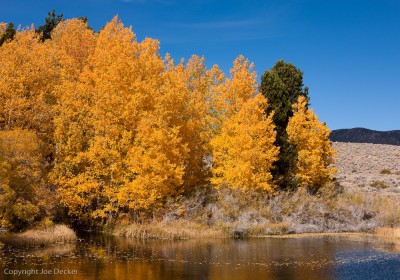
[[363, 135]]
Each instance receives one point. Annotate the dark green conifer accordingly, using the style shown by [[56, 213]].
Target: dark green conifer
[[282, 85], [8, 34]]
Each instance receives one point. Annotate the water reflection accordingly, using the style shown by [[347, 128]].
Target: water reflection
[[106, 257]]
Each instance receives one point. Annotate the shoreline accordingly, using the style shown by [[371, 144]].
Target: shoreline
[[183, 231], [30, 238], [320, 234]]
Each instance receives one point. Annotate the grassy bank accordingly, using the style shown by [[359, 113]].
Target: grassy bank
[[45, 236], [227, 213], [179, 229], [388, 233]]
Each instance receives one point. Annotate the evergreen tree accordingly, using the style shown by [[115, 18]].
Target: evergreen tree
[[282, 85], [8, 34], [51, 22]]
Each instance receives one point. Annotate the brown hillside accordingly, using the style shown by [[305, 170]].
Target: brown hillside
[[373, 167]]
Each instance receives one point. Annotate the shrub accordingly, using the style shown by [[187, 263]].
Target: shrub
[[379, 184], [385, 171]]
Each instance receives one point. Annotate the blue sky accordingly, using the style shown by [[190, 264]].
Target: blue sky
[[349, 50]]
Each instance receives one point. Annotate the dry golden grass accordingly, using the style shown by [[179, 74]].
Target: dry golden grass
[[54, 234], [389, 236], [321, 234], [170, 230], [239, 215], [182, 229], [388, 233]]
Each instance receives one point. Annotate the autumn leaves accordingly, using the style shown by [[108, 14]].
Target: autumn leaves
[[243, 150], [123, 129], [311, 139]]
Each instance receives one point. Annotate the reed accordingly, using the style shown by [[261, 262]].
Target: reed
[[171, 230], [51, 235], [388, 233]]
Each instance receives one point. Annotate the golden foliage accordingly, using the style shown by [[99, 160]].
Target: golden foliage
[[315, 154], [20, 177], [233, 92], [28, 76], [119, 129], [187, 92], [155, 165], [74, 42], [122, 149], [243, 150]]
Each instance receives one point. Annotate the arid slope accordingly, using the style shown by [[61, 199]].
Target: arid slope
[[373, 167]]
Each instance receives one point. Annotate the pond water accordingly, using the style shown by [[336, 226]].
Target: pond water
[[106, 257]]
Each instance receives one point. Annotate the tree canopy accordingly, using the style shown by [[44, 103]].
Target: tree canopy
[[282, 85], [98, 125]]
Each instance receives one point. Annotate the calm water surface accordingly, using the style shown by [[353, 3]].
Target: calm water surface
[[105, 257]]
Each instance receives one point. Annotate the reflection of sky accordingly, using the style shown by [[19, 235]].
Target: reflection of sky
[[368, 264], [347, 49]]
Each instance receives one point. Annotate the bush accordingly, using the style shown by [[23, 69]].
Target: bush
[[227, 212], [379, 184]]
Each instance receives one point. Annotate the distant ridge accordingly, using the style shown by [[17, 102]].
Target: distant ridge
[[363, 135]]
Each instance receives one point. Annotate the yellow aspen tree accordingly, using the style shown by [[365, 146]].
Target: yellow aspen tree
[[158, 159], [311, 139], [73, 42], [186, 99], [7, 196], [155, 164], [196, 123], [127, 75], [244, 151], [29, 73], [234, 92], [127, 126], [216, 100], [89, 153], [21, 195]]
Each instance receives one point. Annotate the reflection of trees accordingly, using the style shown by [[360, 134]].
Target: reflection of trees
[[106, 257], [241, 259]]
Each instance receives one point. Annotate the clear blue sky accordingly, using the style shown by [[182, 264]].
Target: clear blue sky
[[349, 50]]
